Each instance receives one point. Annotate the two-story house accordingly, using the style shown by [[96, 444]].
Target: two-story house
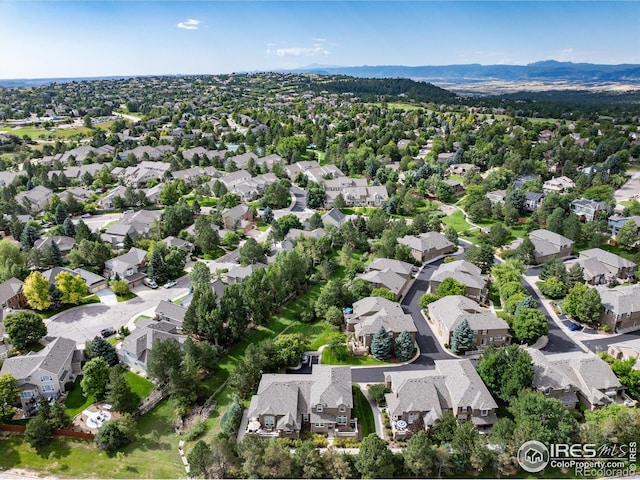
[[129, 267], [321, 402], [558, 185], [418, 399], [36, 199], [616, 222], [448, 312], [548, 244], [239, 216], [43, 373], [574, 377], [586, 210], [427, 246], [600, 266], [620, 307], [476, 284], [391, 274]]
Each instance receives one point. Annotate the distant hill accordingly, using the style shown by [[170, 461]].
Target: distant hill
[[549, 70]]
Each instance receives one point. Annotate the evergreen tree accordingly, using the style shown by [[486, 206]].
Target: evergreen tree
[[82, 232], [451, 234], [99, 347], [55, 256], [462, 338], [55, 296], [267, 215], [38, 432], [156, 270], [574, 276], [381, 345], [128, 243], [28, 237], [68, 228], [404, 346], [119, 393], [61, 214]]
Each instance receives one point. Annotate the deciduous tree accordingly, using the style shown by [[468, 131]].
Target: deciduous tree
[[95, 378], [24, 328]]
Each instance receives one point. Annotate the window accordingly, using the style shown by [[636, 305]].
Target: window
[[475, 332], [319, 424], [47, 388], [567, 388], [46, 378], [412, 417], [483, 341], [319, 408], [269, 421], [485, 331], [341, 419], [28, 394], [484, 413], [464, 409], [342, 408], [628, 314], [547, 391], [305, 417]]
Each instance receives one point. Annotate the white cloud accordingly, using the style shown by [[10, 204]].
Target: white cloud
[[299, 51], [189, 24]]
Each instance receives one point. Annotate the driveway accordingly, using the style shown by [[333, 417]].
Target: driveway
[[107, 297], [631, 189], [85, 322]]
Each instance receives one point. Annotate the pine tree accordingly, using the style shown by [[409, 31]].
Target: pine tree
[[68, 228], [574, 276], [462, 338], [119, 393], [55, 256], [127, 242], [56, 297], [61, 214], [156, 267], [28, 237], [381, 345], [404, 346]]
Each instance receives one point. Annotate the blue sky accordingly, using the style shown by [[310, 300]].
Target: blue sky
[[99, 38]]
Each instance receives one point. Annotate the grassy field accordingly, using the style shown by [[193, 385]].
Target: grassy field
[[457, 221], [152, 455], [369, 360], [363, 412], [317, 333], [140, 385], [400, 106]]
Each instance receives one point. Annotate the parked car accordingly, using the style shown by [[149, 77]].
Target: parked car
[[85, 215], [170, 283], [575, 326], [107, 332], [150, 283]]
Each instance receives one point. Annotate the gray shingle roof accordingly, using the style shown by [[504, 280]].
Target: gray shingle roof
[[426, 241], [621, 299], [463, 272], [9, 289], [451, 310], [607, 258], [51, 359]]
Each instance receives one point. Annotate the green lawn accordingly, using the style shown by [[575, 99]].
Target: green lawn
[[263, 227], [76, 402], [329, 359], [125, 298], [140, 385], [363, 412], [36, 133], [457, 221], [154, 454], [317, 333]]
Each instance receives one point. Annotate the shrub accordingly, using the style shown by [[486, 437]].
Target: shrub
[[605, 328], [197, 428], [426, 299], [377, 392], [320, 441], [120, 288]]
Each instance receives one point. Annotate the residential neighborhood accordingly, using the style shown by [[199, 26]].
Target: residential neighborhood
[[267, 268]]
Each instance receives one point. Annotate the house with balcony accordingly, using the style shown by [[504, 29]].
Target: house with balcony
[[321, 402], [620, 307], [446, 314], [44, 373], [600, 266], [427, 246], [586, 210], [577, 377], [533, 200], [418, 399], [475, 282], [558, 185], [393, 275]]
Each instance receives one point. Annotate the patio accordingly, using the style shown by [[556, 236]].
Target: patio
[[91, 419]]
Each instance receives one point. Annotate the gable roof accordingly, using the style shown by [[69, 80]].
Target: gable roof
[[50, 359], [9, 289], [334, 215], [607, 258], [171, 311], [392, 265], [426, 241], [461, 271], [453, 309], [620, 299], [147, 331]]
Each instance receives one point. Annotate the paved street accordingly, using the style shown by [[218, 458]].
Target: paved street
[[601, 344], [96, 222], [85, 322], [631, 189]]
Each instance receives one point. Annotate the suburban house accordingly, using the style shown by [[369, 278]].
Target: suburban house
[[321, 173], [144, 172], [270, 161], [374, 196], [94, 282], [135, 348], [108, 201], [497, 196], [558, 185], [239, 216], [43, 373], [533, 200], [190, 175], [462, 168], [238, 273], [11, 296], [147, 151], [65, 244], [616, 222], [371, 313], [172, 241], [600, 266], [626, 350], [334, 217], [36, 199], [522, 179], [128, 267], [620, 307], [170, 312], [477, 284], [427, 246], [586, 210], [456, 187], [393, 275], [232, 179], [448, 312], [573, 377], [418, 399], [340, 183], [300, 167], [321, 402], [135, 224], [77, 193], [254, 187], [548, 245]]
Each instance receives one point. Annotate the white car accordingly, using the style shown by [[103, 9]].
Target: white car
[[170, 283]]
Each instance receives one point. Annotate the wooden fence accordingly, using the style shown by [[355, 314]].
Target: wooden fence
[[57, 433]]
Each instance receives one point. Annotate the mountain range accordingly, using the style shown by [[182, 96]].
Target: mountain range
[[545, 71]]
